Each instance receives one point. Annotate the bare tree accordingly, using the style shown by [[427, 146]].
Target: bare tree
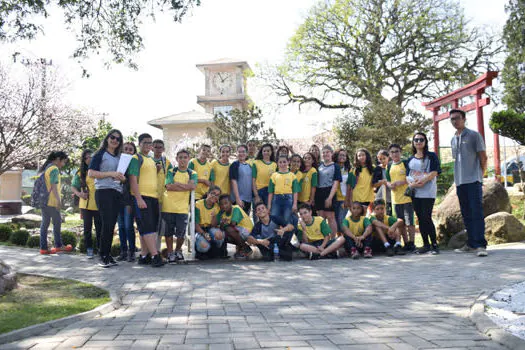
[[33, 123]]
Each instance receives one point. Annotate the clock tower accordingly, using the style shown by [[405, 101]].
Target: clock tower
[[225, 85]]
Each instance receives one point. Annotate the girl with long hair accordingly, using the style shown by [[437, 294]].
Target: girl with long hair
[[83, 187], [341, 158], [108, 190], [329, 179], [263, 167], [360, 180]]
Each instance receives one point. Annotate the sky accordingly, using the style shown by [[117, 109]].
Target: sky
[[168, 82]]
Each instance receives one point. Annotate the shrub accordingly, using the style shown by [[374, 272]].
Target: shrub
[[5, 232], [26, 199], [115, 249], [19, 237], [69, 237], [82, 245], [33, 241]]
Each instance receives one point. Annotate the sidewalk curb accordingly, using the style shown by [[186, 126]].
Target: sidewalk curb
[[37, 329], [485, 325]]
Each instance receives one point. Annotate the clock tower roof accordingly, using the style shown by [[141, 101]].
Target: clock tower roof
[[224, 63]]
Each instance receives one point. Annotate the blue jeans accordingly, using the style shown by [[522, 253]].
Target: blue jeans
[[282, 206], [126, 231], [470, 201], [48, 214], [340, 213], [203, 246]]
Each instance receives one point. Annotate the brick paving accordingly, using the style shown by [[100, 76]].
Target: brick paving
[[399, 303]]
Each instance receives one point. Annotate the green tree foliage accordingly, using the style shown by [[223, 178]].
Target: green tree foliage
[[513, 74], [350, 51], [509, 124], [106, 25], [238, 127], [94, 141], [379, 124]]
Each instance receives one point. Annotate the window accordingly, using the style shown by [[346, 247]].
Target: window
[[225, 110]]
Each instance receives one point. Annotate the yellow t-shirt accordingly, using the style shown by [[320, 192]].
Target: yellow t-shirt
[[203, 214], [177, 202], [90, 203], [161, 177], [220, 175], [362, 190], [309, 181], [316, 231], [203, 173], [52, 176], [283, 183], [262, 171], [356, 227], [147, 175], [237, 215], [398, 172]]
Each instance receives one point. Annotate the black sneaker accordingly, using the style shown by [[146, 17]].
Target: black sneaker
[[104, 262], [314, 256], [410, 247], [123, 256], [112, 261], [434, 250], [389, 251], [398, 250], [423, 250], [179, 258], [144, 260], [156, 261]]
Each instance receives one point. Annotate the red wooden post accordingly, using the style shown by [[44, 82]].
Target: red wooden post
[[436, 131], [497, 160], [479, 114]]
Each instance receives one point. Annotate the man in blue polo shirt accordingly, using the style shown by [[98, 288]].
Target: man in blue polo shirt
[[468, 150]]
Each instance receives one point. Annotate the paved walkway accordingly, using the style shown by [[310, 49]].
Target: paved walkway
[[411, 302]]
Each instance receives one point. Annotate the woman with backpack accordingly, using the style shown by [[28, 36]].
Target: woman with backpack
[[51, 207], [108, 190], [83, 187]]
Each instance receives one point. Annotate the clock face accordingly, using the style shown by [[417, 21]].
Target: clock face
[[223, 81]]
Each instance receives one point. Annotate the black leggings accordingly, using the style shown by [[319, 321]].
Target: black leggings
[[88, 216], [423, 208], [108, 203]]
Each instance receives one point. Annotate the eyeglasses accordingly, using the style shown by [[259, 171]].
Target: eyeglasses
[[419, 140], [147, 142], [113, 137]]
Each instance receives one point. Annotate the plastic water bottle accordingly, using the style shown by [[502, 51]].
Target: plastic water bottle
[[275, 251]]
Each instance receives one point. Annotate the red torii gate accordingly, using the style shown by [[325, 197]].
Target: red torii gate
[[476, 88]]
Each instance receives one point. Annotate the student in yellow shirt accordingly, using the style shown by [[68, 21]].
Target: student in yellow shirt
[[252, 151], [220, 169], [83, 187], [396, 175], [143, 181], [263, 167], [283, 191], [341, 158], [309, 183], [162, 164], [209, 239], [236, 224], [360, 180], [387, 228], [180, 181], [357, 231], [203, 168], [51, 211], [297, 167], [126, 229], [314, 234]]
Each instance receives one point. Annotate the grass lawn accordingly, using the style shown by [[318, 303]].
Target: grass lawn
[[72, 220], [39, 299]]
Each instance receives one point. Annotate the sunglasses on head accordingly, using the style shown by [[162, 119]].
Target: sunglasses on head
[[419, 140], [113, 137]]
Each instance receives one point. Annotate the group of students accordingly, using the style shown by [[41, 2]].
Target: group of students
[[318, 202]]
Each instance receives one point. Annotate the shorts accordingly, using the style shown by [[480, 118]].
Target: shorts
[[174, 224], [319, 242], [244, 232], [405, 212], [321, 194], [148, 218]]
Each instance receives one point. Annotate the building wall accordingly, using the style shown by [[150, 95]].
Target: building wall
[[182, 136]]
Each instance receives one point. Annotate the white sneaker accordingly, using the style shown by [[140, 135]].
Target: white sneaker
[[464, 249], [481, 252]]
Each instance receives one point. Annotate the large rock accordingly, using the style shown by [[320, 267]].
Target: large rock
[[503, 228], [449, 219], [7, 278], [458, 240], [27, 220]]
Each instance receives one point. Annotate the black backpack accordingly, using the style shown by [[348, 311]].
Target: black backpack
[[40, 194]]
